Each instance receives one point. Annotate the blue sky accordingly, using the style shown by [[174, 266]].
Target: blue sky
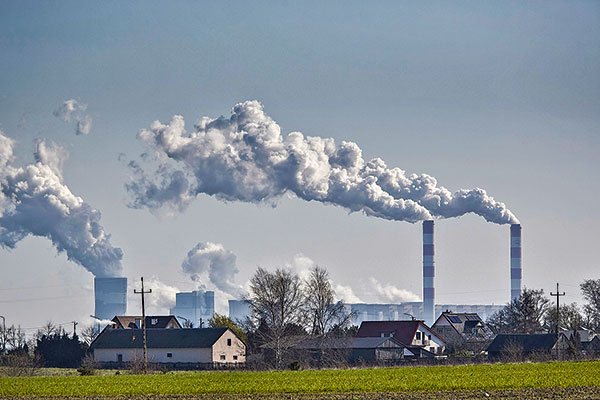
[[499, 95]]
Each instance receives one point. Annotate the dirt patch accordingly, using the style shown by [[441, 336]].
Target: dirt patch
[[578, 393]]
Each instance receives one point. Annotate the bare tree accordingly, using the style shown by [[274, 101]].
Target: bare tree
[[324, 313], [590, 289], [277, 304], [569, 318], [524, 314], [89, 333]]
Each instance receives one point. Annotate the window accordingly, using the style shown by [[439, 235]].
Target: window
[[119, 357], [169, 355], [235, 358], [228, 342], [418, 335], [154, 321], [222, 358]]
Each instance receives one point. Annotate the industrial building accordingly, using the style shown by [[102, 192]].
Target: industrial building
[[196, 307], [110, 296], [239, 310]]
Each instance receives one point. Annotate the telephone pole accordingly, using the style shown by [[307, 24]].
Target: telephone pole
[[142, 292], [75, 323], [557, 295]]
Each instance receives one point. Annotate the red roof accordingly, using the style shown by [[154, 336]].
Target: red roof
[[403, 331]]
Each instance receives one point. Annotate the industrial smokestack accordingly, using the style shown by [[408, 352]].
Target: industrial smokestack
[[428, 272], [110, 297], [515, 261]]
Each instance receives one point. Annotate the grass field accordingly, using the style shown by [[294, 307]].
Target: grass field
[[486, 377]]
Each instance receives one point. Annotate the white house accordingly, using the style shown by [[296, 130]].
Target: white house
[[410, 333], [173, 346]]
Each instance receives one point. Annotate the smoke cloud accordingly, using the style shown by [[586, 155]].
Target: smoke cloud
[[246, 158], [72, 110], [391, 294], [213, 261], [35, 201]]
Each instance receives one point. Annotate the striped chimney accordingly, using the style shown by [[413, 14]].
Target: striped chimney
[[428, 273], [515, 261]]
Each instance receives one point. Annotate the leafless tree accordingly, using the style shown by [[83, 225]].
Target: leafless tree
[[89, 333], [277, 304], [524, 314], [590, 289], [324, 313]]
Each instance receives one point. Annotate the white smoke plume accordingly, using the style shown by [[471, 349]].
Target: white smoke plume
[[35, 201], [391, 294], [209, 261], [72, 110], [161, 300], [246, 158]]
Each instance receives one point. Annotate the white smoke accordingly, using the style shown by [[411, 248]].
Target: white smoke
[[72, 110], [161, 300], [391, 294], [209, 261], [35, 201], [345, 294], [246, 158]]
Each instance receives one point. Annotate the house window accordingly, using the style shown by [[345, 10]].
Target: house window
[[418, 335], [432, 349], [235, 358], [169, 355], [120, 358], [222, 358], [154, 321], [228, 342]]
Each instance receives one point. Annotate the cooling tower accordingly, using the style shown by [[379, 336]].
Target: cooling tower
[[197, 307], [515, 261], [110, 297], [428, 272]]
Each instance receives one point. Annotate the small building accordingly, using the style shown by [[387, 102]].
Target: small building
[[353, 350], [409, 333], [463, 331], [516, 346], [194, 346], [135, 322]]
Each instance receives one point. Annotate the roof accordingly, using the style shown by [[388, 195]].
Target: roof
[[529, 342], [158, 338], [464, 324], [152, 321], [402, 331], [349, 343]]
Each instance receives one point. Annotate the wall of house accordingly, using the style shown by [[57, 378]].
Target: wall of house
[[229, 349], [428, 340], [155, 355]]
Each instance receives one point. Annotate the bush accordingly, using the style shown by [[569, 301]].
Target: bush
[[88, 366]]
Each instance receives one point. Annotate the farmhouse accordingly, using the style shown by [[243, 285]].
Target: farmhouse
[[409, 333], [171, 346], [524, 345], [463, 331], [135, 322], [369, 350]]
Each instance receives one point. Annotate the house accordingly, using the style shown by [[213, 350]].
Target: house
[[409, 333], [135, 322], [525, 345], [193, 346], [463, 331], [591, 347], [370, 350]]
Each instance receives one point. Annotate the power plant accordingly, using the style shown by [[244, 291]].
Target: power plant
[[196, 307], [428, 272], [515, 261], [110, 297]]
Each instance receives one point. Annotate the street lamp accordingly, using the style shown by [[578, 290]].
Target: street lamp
[[187, 321], [412, 317]]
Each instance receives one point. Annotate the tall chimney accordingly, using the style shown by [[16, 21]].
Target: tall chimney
[[428, 273], [515, 261]]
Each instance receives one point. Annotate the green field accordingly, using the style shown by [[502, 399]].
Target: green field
[[487, 377]]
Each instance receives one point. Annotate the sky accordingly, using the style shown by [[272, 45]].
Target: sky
[[502, 96]]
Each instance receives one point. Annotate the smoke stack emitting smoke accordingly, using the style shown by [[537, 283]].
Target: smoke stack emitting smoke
[[35, 201], [246, 158]]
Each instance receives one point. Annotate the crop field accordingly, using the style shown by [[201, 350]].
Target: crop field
[[526, 380]]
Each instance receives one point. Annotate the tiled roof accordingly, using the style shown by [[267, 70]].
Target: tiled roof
[[528, 342], [402, 331], [348, 343], [158, 338]]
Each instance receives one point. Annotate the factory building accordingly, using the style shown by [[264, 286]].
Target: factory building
[[239, 310], [196, 307], [110, 297]]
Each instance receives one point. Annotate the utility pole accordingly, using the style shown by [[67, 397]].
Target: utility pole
[[3, 334], [557, 295], [75, 328], [142, 292]]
